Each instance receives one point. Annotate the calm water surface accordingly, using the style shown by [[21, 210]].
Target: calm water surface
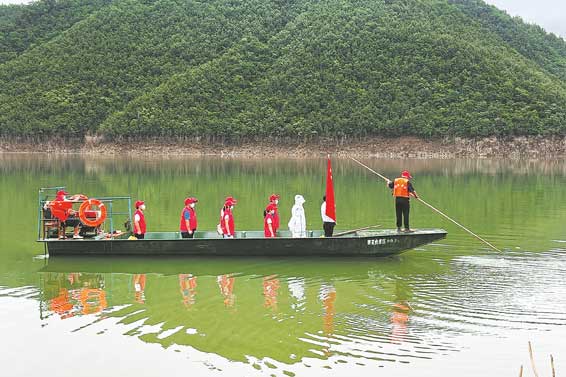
[[448, 308]]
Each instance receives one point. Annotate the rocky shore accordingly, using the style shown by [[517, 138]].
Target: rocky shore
[[375, 147]]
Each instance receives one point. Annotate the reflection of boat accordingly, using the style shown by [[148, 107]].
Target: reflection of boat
[[215, 266], [369, 243]]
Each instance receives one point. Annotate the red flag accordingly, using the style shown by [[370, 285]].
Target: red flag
[[330, 203]]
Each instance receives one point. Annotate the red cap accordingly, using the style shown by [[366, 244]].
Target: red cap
[[273, 197], [230, 201], [139, 203], [62, 193], [190, 201], [271, 207], [406, 174]]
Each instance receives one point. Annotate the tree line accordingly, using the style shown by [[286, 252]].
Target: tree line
[[285, 68]]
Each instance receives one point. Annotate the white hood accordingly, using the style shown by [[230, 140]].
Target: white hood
[[298, 222]]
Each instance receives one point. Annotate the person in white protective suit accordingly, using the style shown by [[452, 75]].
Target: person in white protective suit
[[298, 222]]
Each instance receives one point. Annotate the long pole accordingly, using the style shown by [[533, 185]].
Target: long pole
[[356, 230], [431, 207]]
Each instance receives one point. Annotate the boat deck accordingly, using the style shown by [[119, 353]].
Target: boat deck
[[251, 243], [258, 234]]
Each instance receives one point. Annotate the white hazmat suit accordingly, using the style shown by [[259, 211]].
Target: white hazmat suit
[[298, 222]]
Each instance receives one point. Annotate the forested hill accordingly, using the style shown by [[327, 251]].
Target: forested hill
[[295, 68]]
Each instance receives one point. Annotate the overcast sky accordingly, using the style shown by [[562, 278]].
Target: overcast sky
[[550, 14]]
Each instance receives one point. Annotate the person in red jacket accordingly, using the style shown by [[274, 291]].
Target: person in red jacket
[[274, 199], [269, 221], [188, 219], [139, 220], [227, 218]]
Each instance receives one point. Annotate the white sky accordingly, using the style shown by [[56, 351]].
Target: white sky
[[550, 14]]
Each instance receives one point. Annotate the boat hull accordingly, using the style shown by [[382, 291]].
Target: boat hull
[[366, 244]]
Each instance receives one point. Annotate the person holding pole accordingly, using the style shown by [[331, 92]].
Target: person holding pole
[[402, 191], [428, 205]]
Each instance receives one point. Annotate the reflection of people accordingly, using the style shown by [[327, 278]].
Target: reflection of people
[[226, 284], [188, 284], [399, 320], [227, 218], [61, 304], [139, 220], [402, 190], [400, 312], [139, 288], [297, 290], [328, 297], [189, 218], [327, 222], [298, 222], [269, 221], [270, 288]]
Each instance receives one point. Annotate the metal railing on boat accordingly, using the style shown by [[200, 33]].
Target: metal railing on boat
[[47, 194]]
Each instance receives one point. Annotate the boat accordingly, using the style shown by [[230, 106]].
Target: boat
[[101, 242]]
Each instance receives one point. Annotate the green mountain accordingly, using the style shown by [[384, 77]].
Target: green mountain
[[237, 69]]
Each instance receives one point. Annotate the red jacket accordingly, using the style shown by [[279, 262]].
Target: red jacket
[[266, 231], [142, 222], [192, 220], [231, 228]]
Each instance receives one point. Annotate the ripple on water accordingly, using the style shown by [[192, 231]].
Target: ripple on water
[[517, 290]]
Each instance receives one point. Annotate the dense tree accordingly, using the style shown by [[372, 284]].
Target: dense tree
[[238, 69]]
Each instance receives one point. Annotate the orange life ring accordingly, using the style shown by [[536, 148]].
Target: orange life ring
[[87, 204]]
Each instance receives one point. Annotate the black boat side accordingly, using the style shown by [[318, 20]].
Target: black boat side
[[375, 243]]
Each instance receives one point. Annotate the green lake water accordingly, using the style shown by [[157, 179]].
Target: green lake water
[[449, 308]]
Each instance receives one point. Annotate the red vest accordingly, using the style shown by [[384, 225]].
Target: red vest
[[401, 188], [275, 221], [142, 221], [231, 228], [266, 231], [192, 220]]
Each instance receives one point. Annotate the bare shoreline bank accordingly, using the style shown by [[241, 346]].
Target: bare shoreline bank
[[375, 147]]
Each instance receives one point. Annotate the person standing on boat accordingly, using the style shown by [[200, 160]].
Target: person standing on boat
[[269, 221], [139, 220], [328, 223], [402, 191], [227, 218], [274, 199], [298, 223], [189, 219]]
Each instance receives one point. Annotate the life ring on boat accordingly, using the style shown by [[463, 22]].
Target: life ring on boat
[[87, 204]]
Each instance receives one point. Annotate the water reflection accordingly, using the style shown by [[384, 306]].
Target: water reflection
[[400, 312], [395, 310], [270, 290], [307, 311], [188, 287], [72, 294], [305, 315], [138, 281]]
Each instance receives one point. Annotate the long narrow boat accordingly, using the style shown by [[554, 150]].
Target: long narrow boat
[[102, 240], [372, 243]]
